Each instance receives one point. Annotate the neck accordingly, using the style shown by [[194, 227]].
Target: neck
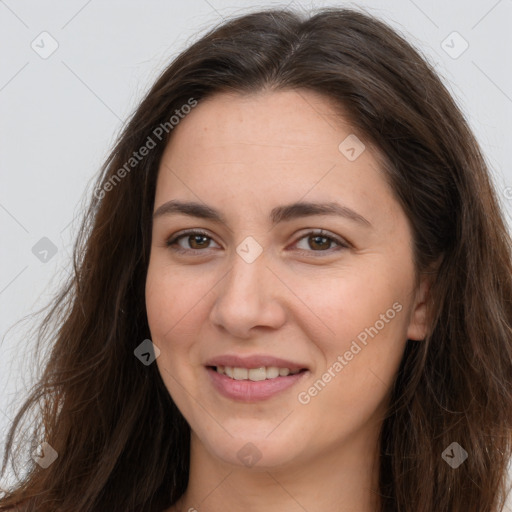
[[344, 479]]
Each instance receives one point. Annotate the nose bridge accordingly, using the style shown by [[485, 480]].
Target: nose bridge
[[246, 282], [246, 296]]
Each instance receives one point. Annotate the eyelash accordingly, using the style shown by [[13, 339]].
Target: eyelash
[[319, 233]]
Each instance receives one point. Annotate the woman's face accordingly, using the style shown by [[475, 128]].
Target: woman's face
[[260, 291]]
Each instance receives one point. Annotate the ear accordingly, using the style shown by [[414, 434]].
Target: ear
[[417, 329]]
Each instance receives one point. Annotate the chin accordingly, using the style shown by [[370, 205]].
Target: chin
[[255, 452]]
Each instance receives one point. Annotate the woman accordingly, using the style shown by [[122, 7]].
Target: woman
[[292, 291]]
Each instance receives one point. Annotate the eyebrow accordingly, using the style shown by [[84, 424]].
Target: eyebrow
[[278, 214]]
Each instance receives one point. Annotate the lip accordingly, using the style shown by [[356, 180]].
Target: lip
[[254, 361], [250, 391]]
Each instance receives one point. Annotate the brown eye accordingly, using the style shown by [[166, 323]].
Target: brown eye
[[321, 242], [196, 241]]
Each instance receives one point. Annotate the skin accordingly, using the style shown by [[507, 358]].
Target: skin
[[302, 299]]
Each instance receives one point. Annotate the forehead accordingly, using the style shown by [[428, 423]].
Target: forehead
[[266, 131], [276, 147], [270, 119]]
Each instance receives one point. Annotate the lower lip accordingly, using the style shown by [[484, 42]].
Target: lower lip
[[252, 391]]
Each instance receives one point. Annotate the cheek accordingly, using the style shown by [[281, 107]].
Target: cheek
[[367, 317], [175, 305], [347, 303], [167, 306], [171, 299]]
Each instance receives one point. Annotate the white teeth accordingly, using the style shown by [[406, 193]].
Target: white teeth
[[272, 372], [240, 373], [255, 374]]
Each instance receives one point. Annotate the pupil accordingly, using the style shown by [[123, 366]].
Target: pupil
[[316, 238], [198, 237]]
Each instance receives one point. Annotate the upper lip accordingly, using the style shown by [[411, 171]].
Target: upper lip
[[254, 361]]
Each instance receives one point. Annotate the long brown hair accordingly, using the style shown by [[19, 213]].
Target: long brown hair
[[123, 445]]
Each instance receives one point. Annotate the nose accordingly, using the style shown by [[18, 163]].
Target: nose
[[249, 297]]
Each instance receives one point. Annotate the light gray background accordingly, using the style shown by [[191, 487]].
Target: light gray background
[[60, 115]]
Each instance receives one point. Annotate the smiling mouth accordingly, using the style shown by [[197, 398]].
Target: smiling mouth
[[255, 374]]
